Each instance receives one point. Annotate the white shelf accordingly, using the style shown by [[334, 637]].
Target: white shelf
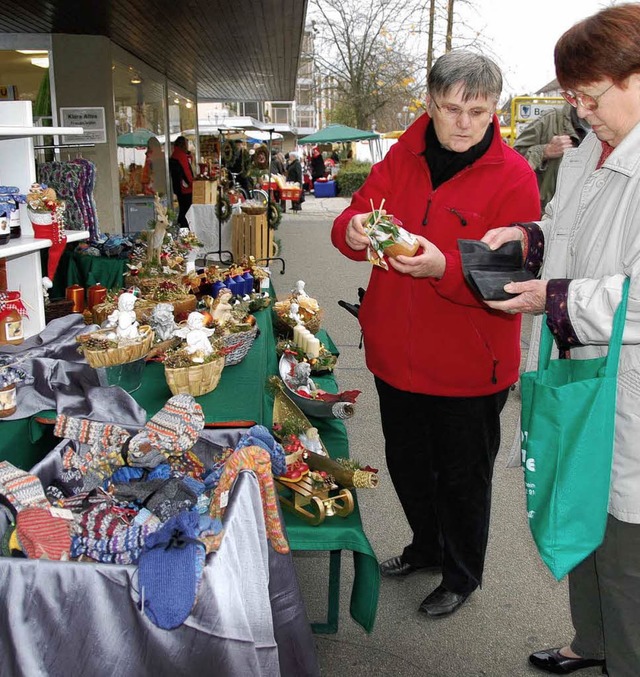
[[26, 245], [7, 132]]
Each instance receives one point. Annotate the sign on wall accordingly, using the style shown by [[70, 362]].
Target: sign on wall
[[92, 120]]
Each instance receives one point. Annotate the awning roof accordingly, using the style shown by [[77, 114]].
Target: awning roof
[[240, 50], [337, 133]]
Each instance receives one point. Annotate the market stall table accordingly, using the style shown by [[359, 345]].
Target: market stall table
[[242, 399]]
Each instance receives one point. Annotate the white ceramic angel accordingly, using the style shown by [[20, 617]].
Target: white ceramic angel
[[300, 379], [196, 336], [299, 289], [124, 317], [311, 440], [162, 321], [294, 313]]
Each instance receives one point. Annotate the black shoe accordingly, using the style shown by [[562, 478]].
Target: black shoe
[[397, 567], [442, 602], [551, 660]]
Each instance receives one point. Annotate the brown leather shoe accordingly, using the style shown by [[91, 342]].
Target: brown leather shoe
[[551, 660], [396, 567]]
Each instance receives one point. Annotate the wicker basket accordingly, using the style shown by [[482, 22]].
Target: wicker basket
[[58, 308], [283, 328], [199, 379], [239, 344], [132, 350], [254, 210]]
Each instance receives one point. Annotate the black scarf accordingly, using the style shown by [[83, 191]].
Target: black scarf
[[443, 163]]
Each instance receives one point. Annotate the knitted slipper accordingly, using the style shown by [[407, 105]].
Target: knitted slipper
[[168, 571]]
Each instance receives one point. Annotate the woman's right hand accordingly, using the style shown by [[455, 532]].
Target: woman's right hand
[[355, 236], [496, 237]]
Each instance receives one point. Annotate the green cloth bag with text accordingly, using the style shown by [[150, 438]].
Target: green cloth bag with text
[[568, 419]]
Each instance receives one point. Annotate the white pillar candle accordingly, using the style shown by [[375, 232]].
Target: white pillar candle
[[296, 334], [305, 336], [313, 347]]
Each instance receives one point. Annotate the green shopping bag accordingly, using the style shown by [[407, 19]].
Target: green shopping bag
[[568, 418]]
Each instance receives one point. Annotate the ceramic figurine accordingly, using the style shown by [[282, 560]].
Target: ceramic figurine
[[162, 321], [299, 289], [294, 313], [196, 336], [221, 308], [124, 317]]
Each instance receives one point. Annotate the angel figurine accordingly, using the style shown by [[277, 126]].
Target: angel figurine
[[162, 321], [196, 336], [221, 308], [124, 317], [301, 378], [294, 313], [299, 289]]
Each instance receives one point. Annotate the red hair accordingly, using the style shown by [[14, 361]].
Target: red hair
[[603, 46]]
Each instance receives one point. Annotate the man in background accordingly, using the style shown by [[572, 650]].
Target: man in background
[[544, 142]]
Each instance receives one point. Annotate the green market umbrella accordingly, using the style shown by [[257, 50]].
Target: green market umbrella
[[337, 133], [136, 139]]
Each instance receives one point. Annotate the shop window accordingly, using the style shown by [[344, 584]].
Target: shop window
[[281, 114], [24, 76]]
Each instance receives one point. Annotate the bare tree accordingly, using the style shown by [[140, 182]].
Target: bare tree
[[372, 52]]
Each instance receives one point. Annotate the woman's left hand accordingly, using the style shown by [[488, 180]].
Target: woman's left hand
[[430, 263], [532, 298]]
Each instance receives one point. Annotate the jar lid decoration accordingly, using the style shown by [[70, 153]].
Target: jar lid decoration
[[9, 301]]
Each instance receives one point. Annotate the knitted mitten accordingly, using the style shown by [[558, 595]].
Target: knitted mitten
[[42, 535], [172, 431], [257, 460], [260, 436], [168, 571]]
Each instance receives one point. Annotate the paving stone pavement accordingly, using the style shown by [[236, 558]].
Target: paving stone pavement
[[520, 607]]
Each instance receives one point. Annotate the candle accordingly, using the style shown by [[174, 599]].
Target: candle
[[296, 334], [75, 293], [305, 336], [313, 347]]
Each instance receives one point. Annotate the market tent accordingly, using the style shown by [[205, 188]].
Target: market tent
[[338, 133], [135, 139]]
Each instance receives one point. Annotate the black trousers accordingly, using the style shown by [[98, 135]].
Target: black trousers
[[440, 454], [184, 202]]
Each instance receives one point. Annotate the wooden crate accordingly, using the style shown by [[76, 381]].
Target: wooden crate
[[204, 192], [249, 236]]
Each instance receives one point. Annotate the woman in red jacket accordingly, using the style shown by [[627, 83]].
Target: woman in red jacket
[[442, 362], [181, 178]]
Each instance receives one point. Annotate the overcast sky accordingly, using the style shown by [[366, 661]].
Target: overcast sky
[[523, 34]]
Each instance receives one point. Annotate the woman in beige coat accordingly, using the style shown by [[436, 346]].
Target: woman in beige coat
[[587, 243]]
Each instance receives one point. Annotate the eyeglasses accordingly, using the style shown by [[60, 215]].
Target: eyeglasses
[[585, 100], [455, 112]]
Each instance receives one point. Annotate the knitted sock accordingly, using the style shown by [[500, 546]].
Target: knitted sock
[[260, 436], [42, 535], [124, 547], [187, 464], [168, 571], [90, 432], [257, 460], [173, 430], [104, 520], [172, 498], [20, 489], [212, 476], [211, 533]]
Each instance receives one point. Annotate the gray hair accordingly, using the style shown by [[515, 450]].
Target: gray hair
[[478, 75]]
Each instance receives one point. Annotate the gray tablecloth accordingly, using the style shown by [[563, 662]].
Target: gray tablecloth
[[67, 619]]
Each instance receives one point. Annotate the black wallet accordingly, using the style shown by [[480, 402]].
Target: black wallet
[[487, 271]]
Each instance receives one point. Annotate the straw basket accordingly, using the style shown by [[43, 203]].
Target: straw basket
[[239, 345], [254, 210], [128, 351], [196, 380], [283, 328]]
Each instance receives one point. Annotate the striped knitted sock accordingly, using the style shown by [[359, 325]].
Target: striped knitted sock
[[257, 460], [173, 430], [42, 535], [21, 489]]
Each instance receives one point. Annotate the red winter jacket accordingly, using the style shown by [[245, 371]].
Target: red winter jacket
[[432, 336]]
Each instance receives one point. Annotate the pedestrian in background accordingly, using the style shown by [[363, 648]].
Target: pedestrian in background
[[181, 178], [544, 141], [443, 363]]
